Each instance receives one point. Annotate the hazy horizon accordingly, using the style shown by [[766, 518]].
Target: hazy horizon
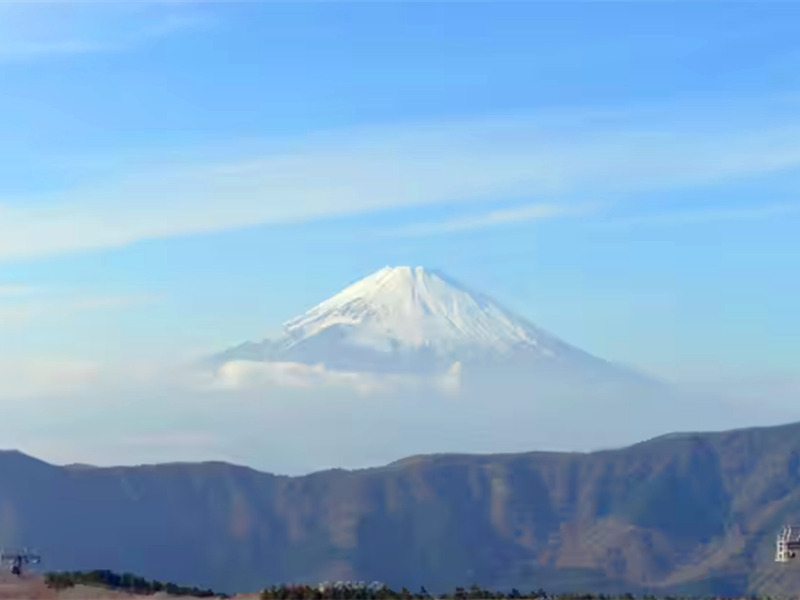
[[180, 178]]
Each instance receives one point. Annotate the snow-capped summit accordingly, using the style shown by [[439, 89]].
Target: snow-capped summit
[[415, 320], [405, 308]]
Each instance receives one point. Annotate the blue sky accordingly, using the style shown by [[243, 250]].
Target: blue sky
[[178, 177]]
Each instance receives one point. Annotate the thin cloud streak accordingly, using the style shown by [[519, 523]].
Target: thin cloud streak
[[18, 313], [495, 218], [14, 290], [32, 31], [356, 173], [39, 377], [705, 216]]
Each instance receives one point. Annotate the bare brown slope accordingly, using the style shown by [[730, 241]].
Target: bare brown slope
[[699, 510], [32, 587]]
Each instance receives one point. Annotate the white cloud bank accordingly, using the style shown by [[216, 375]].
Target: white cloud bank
[[243, 375], [292, 419]]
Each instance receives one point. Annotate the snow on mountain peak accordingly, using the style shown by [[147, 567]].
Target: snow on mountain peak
[[411, 320], [412, 308]]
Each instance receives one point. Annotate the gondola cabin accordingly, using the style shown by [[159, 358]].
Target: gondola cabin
[[16, 559], [788, 544]]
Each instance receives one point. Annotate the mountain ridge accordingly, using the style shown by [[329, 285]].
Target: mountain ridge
[[696, 513]]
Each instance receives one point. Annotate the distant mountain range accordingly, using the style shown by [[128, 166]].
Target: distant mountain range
[[693, 513], [418, 321]]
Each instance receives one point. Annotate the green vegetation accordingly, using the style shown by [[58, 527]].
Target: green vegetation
[[126, 582], [327, 591], [348, 591]]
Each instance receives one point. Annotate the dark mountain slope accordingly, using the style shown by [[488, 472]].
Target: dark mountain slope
[[693, 512]]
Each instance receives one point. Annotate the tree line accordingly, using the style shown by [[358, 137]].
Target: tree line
[[347, 591], [126, 582], [327, 591]]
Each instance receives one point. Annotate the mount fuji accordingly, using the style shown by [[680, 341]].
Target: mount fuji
[[416, 321]]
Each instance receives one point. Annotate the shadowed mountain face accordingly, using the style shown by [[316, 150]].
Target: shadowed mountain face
[[694, 513]]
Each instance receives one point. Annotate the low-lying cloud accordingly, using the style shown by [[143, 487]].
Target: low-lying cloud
[[243, 375], [290, 418]]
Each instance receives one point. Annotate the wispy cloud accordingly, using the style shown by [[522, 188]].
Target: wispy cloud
[[556, 163], [29, 378], [173, 440], [35, 30], [494, 218], [701, 216], [21, 49], [15, 312], [14, 290], [252, 375]]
